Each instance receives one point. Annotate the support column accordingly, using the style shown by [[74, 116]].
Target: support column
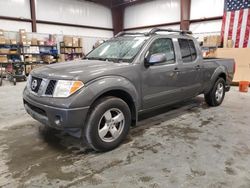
[[33, 15], [185, 14], [118, 19]]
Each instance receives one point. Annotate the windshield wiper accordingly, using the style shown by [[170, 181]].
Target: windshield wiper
[[96, 58]]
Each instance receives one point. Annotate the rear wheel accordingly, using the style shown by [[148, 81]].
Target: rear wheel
[[216, 96], [108, 124]]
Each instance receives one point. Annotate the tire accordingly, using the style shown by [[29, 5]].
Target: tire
[[216, 96], [108, 124]]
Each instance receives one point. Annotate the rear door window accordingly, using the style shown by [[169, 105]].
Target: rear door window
[[188, 51]]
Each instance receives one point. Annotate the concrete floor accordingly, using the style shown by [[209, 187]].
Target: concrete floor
[[190, 145]]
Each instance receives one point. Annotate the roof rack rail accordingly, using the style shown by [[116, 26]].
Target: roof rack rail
[[122, 33], [155, 30]]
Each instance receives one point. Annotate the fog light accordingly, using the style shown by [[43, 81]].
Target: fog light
[[58, 120]]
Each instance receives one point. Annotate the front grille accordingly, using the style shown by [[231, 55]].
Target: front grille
[[35, 84], [51, 87]]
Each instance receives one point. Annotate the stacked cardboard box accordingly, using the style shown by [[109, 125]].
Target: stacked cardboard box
[[2, 38], [34, 41], [3, 59], [23, 36], [68, 41], [4, 50], [80, 42], [48, 59], [13, 41], [75, 42], [214, 40], [41, 42]]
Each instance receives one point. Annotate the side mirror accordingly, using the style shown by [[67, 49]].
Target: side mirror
[[155, 58]]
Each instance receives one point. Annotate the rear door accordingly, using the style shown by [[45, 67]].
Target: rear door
[[160, 81], [190, 77]]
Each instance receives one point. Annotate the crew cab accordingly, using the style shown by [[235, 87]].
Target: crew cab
[[100, 97]]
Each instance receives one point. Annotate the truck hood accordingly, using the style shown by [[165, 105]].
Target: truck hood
[[84, 70]]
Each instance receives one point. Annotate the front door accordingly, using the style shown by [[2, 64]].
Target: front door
[[160, 81]]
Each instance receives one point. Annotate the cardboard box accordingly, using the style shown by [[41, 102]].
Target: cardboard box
[[80, 42], [241, 57], [28, 42], [13, 41], [4, 50], [75, 42], [78, 50], [1, 32], [22, 31], [40, 42], [61, 58], [214, 40], [2, 40], [3, 59], [33, 41], [229, 44], [68, 41]]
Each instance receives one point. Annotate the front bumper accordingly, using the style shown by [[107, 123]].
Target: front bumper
[[59, 118]]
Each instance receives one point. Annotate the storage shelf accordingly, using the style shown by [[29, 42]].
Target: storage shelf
[[73, 53], [70, 47], [8, 54], [46, 46]]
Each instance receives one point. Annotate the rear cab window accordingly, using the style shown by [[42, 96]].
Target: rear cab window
[[188, 50]]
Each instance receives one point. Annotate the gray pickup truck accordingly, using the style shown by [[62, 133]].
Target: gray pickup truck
[[101, 96]]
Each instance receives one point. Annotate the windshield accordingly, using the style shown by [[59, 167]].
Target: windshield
[[119, 49]]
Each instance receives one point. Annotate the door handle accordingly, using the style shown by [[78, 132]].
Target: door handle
[[198, 67]]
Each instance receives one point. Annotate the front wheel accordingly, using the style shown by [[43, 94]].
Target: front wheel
[[216, 96], [108, 124]]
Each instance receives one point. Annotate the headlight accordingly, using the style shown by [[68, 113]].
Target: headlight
[[65, 88]]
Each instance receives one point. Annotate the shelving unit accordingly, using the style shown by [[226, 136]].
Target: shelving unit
[[38, 55], [71, 52], [11, 62]]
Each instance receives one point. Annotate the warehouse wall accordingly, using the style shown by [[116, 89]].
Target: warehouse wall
[[67, 11], [151, 13], [206, 9], [167, 11]]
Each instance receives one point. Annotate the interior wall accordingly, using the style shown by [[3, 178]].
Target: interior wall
[[206, 8], [74, 12], [151, 13], [15, 8], [206, 28], [78, 12]]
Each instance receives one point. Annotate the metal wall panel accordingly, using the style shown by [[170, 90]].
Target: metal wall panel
[[151, 13], [206, 8], [14, 25], [201, 29], [15, 8], [65, 30], [74, 12]]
